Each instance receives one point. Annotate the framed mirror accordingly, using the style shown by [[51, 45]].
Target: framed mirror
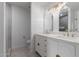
[[57, 19], [64, 19]]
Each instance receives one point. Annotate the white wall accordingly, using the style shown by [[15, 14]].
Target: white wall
[[37, 14], [20, 26], [37, 18], [1, 29]]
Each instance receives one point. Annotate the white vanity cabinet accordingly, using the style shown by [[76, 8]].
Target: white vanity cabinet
[[52, 47], [55, 47], [60, 48], [66, 49], [77, 50]]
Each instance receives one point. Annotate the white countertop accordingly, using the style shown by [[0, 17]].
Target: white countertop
[[63, 38]]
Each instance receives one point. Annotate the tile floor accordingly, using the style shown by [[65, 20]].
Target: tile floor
[[23, 52]]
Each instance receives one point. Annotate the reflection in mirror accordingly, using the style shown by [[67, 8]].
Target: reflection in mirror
[[63, 20], [48, 22], [74, 12]]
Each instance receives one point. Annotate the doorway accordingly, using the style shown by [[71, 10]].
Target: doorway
[[18, 28]]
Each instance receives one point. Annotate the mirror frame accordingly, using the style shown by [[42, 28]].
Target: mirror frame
[[69, 19]]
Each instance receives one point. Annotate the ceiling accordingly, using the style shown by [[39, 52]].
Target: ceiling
[[22, 4], [28, 4], [73, 5], [46, 4]]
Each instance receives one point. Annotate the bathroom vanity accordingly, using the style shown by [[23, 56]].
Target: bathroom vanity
[[49, 45], [56, 45]]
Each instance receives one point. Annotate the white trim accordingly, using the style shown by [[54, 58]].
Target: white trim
[[69, 20], [4, 29]]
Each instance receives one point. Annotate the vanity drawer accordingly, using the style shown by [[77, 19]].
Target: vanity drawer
[[43, 44], [43, 53], [40, 45], [42, 41]]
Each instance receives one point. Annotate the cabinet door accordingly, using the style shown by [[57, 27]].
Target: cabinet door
[[66, 49], [51, 48], [77, 50], [43, 46]]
